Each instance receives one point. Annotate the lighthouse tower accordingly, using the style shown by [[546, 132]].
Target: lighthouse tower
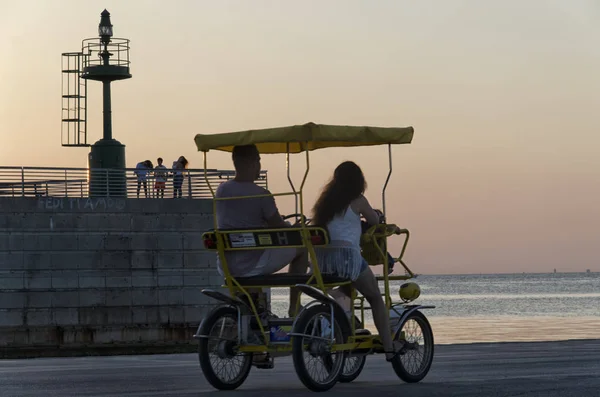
[[104, 59]]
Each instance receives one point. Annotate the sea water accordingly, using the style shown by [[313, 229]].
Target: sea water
[[500, 307]]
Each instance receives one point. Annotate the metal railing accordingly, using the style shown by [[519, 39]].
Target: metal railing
[[76, 182], [93, 48]]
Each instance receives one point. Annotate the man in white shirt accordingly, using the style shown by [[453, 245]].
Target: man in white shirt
[[260, 212]]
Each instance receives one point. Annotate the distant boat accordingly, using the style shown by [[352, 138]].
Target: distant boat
[[554, 270], [588, 271]]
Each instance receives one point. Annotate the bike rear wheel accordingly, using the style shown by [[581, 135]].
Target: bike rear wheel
[[353, 366], [223, 367], [317, 367]]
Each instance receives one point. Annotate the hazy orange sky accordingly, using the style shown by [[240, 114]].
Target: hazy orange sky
[[503, 174]]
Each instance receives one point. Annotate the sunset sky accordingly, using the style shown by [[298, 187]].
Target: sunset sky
[[503, 174]]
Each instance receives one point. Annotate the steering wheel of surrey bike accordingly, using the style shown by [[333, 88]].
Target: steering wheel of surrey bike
[[299, 218]]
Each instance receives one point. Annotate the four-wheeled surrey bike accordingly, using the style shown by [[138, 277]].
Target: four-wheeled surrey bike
[[327, 345]]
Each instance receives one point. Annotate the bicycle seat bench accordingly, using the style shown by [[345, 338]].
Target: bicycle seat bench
[[269, 238]]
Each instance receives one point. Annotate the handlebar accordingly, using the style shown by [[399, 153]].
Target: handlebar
[[299, 218], [386, 230]]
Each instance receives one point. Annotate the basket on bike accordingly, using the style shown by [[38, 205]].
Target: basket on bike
[[373, 245]]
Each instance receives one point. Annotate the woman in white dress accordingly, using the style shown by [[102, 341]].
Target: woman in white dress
[[339, 209]]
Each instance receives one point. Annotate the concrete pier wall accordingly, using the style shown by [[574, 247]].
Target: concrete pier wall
[[82, 275]]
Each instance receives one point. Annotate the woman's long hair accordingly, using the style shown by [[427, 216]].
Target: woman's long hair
[[183, 161], [347, 184]]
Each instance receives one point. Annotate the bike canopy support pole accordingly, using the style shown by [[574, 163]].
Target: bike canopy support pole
[[305, 236], [287, 167], [206, 175], [388, 300], [387, 180], [212, 192], [304, 181]]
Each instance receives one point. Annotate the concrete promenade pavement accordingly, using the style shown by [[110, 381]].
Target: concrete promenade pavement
[[549, 369]]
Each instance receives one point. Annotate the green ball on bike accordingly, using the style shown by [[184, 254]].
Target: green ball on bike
[[409, 291]]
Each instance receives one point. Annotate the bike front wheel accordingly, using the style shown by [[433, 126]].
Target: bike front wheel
[[416, 357]]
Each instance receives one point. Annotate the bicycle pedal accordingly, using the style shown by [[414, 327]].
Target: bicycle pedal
[[269, 365]]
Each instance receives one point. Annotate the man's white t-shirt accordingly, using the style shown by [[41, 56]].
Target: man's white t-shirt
[[245, 213]]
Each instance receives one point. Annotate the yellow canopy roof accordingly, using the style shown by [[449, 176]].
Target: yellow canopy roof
[[309, 136]]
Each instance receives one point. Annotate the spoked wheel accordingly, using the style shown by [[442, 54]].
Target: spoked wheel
[[317, 367], [414, 362], [223, 367], [353, 366]]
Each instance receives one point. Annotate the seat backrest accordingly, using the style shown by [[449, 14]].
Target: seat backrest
[[240, 239]]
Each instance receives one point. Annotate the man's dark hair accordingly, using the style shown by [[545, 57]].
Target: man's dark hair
[[159, 159], [241, 154]]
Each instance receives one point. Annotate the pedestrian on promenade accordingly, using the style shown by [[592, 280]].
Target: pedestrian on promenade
[[141, 171], [160, 176], [178, 167]]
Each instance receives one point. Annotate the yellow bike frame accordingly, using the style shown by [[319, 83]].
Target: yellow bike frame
[[377, 236]]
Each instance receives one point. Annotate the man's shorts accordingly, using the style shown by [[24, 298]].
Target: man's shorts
[[159, 185], [273, 260]]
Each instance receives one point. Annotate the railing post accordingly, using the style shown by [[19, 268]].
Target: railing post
[[107, 184], [189, 185], [266, 181], [23, 181]]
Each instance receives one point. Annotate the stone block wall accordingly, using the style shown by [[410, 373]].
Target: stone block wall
[[90, 273]]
